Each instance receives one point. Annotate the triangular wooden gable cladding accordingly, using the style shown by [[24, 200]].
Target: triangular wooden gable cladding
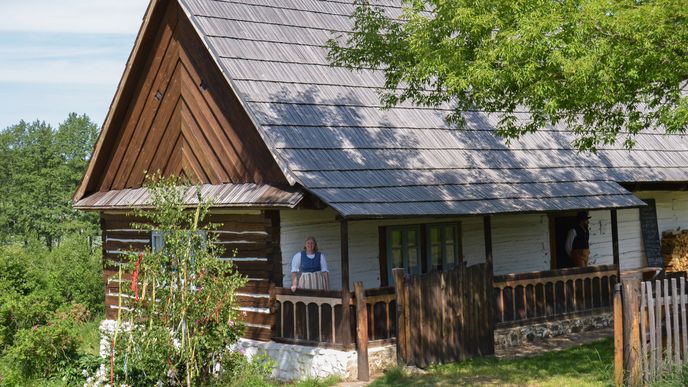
[[181, 118]]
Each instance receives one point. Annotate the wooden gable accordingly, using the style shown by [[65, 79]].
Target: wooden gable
[[176, 114]]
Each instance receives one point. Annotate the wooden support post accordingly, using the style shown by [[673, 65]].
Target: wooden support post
[[362, 332], [400, 288], [487, 228], [615, 238], [618, 337], [631, 323], [346, 294]]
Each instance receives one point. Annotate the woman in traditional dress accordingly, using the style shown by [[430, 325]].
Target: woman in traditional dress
[[309, 268]]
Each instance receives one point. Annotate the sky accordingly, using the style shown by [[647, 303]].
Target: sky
[[64, 56]]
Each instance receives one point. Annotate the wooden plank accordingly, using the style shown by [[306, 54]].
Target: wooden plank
[[445, 334], [256, 333], [675, 318], [658, 326], [346, 295], [643, 332], [402, 316], [227, 109], [684, 330], [213, 134], [631, 307], [651, 312], [667, 322], [167, 119], [461, 309], [145, 87], [361, 332], [618, 337]]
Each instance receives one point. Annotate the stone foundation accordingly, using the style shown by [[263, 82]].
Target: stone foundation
[[515, 336], [293, 362]]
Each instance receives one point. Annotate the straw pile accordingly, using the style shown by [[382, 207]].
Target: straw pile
[[675, 250]]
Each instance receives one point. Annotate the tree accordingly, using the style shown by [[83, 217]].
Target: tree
[[606, 68], [39, 170]]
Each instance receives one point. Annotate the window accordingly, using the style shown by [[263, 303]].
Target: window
[[158, 239], [419, 249], [442, 246], [402, 248]]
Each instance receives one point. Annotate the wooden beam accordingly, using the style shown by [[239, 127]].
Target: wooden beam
[[402, 315], [631, 337], [362, 332], [345, 328], [618, 337], [615, 238], [487, 227]]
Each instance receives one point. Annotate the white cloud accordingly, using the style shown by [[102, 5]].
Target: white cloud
[[72, 16]]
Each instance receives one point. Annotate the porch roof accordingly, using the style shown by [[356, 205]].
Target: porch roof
[[222, 195], [328, 130]]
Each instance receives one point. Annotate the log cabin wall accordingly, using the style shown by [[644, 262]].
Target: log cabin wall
[[180, 118], [254, 235]]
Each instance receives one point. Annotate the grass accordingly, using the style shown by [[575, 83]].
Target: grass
[[587, 365]]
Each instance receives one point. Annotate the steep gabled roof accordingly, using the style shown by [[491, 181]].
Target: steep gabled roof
[[327, 131], [174, 113]]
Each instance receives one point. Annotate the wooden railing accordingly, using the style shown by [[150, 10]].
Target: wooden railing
[[525, 298], [382, 315], [309, 317], [312, 317]]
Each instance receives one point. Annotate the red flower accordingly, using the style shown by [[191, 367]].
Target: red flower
[[135, 277]]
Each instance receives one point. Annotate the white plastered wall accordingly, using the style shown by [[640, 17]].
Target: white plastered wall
[[672, 211], [631, 254], [520, 242]]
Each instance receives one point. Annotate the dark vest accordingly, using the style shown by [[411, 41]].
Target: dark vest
[[582, 239], [310, 265]]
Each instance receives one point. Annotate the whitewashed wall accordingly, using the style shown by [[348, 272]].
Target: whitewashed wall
[[672, 209], [520, 242], [630, 239]]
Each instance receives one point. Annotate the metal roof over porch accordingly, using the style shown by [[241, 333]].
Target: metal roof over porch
[[222, 195]]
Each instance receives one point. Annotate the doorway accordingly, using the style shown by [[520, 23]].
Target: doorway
[[561, 225]]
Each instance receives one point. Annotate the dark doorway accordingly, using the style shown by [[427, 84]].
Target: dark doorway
[[562, 225]]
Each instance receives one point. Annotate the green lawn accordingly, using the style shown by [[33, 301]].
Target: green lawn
[[588, 365]]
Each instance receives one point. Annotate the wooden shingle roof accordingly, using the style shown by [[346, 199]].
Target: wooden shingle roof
[[328, 132]]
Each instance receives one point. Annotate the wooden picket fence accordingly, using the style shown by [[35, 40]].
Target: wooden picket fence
[[651, 330], [663, 334]]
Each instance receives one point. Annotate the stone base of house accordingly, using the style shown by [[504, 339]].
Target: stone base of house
[[293, 362], [519, 335]]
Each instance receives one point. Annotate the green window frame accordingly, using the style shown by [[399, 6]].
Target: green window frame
[[443, 246], [420, 248], [403, 249]]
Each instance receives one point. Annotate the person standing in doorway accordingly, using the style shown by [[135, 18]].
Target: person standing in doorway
[[309, 268], [578, 241]]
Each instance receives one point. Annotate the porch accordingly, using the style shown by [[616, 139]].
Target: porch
[[316, 319]]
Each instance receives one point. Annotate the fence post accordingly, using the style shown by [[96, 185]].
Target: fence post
[[400, 288], [631, 325], [361, 332], [618, 337]]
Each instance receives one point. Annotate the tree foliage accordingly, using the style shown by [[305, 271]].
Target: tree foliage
[[39, 170], [606, 68]]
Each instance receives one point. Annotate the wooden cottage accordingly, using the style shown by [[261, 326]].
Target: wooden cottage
[[238, 96]]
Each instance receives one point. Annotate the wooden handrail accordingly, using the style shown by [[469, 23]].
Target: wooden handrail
[[554, 278], [554, 293]]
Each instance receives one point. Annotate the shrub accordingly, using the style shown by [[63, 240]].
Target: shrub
[[40, 351], [182, 303]]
